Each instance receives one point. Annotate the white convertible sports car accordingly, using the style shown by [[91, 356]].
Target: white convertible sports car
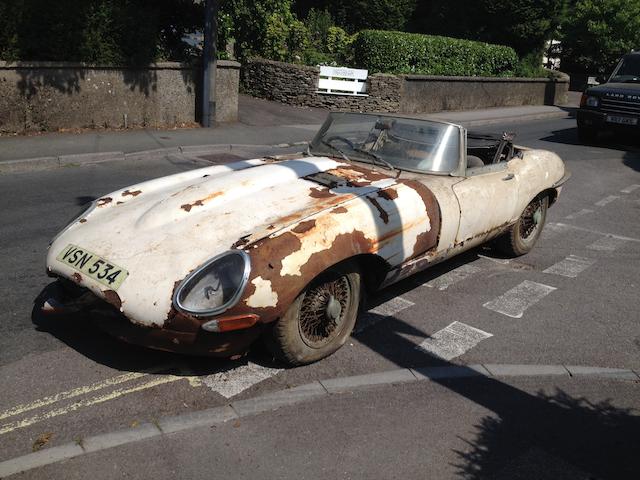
[[207, 261]]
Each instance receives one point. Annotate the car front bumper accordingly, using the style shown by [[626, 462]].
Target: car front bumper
[[183, 334], [597, 121]]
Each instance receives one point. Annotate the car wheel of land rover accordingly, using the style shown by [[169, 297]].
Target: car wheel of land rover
[[321, 318], [522, 235]]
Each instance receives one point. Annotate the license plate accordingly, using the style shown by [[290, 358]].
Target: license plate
[[93, 266], [622, 120]]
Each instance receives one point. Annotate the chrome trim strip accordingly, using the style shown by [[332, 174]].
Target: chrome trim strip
[[200, 269]]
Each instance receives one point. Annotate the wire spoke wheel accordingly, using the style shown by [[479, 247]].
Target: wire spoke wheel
[[321, 318], [531, 218], [323, 311], [523, 235]]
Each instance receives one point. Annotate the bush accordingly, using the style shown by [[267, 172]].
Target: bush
[[339, 44], [398, 52]]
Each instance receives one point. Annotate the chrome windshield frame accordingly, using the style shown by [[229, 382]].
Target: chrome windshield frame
[[459, 171]]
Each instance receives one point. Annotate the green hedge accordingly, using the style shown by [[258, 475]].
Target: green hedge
[[399, 52]]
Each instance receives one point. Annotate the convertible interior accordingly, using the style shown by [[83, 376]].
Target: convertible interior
[[488, 149]]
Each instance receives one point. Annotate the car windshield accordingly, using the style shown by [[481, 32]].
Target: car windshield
[[628, 70], [399, 143]]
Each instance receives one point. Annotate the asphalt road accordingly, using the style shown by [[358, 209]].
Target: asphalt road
[[62, 380]]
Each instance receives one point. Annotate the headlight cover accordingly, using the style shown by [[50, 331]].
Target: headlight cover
[[215, 286], [87, 208], [592, 101]]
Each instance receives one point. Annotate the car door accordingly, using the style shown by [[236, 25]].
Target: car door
[[488, 199]]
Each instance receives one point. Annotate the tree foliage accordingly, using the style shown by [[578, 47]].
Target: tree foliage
[[524, 25], [355, 15], [597, 33], [97, 31]]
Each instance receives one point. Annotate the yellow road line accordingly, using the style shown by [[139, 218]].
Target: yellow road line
[[42, 402], [9, 427]]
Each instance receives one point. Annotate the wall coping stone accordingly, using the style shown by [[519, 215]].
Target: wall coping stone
[[228, 64], [443, 78]]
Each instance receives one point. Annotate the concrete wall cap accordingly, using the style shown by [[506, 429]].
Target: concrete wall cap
[[89, 66], [438, 78]]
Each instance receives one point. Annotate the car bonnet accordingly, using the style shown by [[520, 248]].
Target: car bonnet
[[161, 230]]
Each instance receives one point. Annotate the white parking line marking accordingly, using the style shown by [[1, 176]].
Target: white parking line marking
[[580, 213], [570, 266], [232, 382], [630, 188], [552, 229], [607, 244], [9, 427], [514, 302], [445, 280], [607, 200], [453, 341], [581, 229], [386, 309]]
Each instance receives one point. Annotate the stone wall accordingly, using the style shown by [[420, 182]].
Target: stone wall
[[45, 96], [297, 85], [425, 94]]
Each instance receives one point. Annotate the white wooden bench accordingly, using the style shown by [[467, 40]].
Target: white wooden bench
[[343, 81]]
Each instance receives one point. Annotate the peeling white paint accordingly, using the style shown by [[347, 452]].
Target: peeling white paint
[[264, 296]]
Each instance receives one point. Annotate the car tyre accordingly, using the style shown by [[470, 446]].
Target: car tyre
[[523, 235], [321, 318]]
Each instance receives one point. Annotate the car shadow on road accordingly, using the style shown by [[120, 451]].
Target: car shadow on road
[[527, 436], [609, 140], [79, 333]]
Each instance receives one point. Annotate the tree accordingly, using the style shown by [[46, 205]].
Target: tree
[[524, 25], [597, 33], [97, 31], [356, 15]]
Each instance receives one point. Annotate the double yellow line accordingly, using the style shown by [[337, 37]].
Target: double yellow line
[[76, 392]]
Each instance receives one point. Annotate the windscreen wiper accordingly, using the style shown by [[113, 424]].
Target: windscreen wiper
[[377, 158], [335, 149]]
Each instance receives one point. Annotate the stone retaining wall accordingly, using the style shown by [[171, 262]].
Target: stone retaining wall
[[46, 96], [297, 85]]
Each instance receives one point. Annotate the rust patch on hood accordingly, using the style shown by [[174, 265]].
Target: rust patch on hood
[[241, 242], [113, 298], [381, 211], [388, 194], [305, 226], [428, 239], [359, 176], [267, 258], [198, 203], [134, 193], [321, 192], [82, 220], [339, 210], [104, 201]]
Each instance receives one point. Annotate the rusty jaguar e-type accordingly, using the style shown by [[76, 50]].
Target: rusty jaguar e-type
[[207, 261]]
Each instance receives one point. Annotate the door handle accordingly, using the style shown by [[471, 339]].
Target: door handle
[[509, 177]]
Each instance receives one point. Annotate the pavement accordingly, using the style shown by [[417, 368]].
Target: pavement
[[260, 123], [547, 391]]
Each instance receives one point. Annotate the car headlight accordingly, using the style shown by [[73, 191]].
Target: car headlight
[[86, 209], [215, 286], [592, 101]]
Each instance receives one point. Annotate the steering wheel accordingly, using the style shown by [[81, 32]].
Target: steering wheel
[[330, 139]]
